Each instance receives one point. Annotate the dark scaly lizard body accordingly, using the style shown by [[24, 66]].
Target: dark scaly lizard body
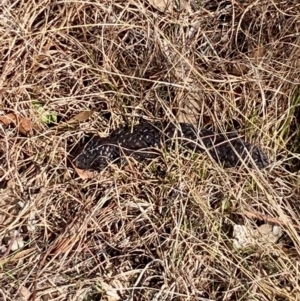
[[144, 140]]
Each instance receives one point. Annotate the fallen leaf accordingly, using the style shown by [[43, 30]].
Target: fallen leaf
[[24, 293], [24, 125], [257, 53], [64, 245], [189, 109], [17, 256], [266, 233], [8, 119], [85, 174], [162, 5], [80, 117], [112, 293], [17, 243]]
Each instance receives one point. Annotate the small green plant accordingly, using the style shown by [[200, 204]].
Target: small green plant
[[45, 116]]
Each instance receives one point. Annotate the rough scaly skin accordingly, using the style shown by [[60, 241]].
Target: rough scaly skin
[[144, 140]]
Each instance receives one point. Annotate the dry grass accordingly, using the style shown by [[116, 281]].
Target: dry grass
[[161, 231]]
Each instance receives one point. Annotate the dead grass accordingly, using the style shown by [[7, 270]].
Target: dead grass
[[161, 231]]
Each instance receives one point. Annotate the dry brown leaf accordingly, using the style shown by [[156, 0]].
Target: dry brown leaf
[[8, 119], [16, 256], [266, 233], [111, 292], [257, 53], [24, 293], [85, 174], [189, 110], [24, 125], [162, 5], [64, 245], [80, 117]]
